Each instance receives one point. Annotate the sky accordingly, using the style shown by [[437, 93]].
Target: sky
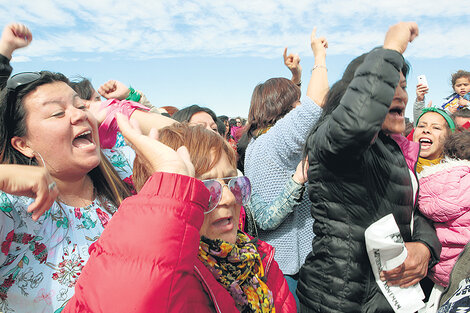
[[213, 53]]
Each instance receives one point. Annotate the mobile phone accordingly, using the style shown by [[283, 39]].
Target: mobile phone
[[422, 80]]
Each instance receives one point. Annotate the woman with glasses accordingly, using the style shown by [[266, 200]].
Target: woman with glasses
[[176, 246]]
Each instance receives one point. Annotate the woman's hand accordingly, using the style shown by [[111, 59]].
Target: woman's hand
[[421, 90], [300, 175], [158, 156], [412, 270], [318, 84], [114, 89], [30, 181], [14, 36], [399, 35], [95, 108], [292, 61], [319, 46]]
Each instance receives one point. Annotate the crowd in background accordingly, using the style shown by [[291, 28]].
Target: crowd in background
[[111, 203]]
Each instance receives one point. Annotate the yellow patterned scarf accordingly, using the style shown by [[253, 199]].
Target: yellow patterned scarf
[[239, 269], [424, 162], [262, 131]]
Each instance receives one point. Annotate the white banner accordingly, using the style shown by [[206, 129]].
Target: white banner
[[386, 251]]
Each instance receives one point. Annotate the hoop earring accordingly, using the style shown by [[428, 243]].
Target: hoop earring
[[42, 159]]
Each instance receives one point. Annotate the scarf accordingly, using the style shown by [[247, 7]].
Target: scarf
[[262, 131], [238, 268], [423, 162]]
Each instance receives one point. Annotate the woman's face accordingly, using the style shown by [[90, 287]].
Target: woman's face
[[62, 130], [204, 119], [394, 122], [222, 222], [431, 133]]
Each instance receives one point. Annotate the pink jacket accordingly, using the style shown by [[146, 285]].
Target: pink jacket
[[146, 258], [444, 197]]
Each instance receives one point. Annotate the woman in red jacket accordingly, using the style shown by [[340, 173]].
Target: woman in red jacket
[[176, 247]]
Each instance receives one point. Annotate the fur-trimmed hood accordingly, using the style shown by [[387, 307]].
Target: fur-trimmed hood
[[446, 164]]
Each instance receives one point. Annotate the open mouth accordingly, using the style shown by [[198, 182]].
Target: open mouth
[[82, 140], [425, 143], [223, 222], [397, 110]]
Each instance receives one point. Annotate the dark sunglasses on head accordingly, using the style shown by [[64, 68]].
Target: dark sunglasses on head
[[18, 80], [16, 83], [240, 187]]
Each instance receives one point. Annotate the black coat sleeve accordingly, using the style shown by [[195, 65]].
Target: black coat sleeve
[[425, 233], [356, 121], [5, 70]]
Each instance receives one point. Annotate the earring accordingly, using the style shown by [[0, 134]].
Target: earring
[[42, 159]]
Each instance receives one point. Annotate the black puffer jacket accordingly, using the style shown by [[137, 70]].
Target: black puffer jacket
[[5, 70], [357, 175]]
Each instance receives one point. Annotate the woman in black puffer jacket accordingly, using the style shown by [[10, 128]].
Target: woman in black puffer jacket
[[361, 169]]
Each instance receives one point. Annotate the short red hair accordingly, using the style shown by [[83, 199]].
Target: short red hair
[[200, 142]]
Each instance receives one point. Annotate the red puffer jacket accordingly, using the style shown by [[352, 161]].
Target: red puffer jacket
[[146, 258]]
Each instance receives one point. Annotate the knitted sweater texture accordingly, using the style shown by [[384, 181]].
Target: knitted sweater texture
[[270, 161]]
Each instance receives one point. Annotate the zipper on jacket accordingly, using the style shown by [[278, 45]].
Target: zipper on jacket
[[211, 294], [270, 260]]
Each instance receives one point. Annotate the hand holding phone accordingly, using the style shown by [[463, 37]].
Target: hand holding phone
[[422, 80]]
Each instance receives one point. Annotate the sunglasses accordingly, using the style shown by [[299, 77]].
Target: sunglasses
[[15, 84], [18, 80], [240, 187]]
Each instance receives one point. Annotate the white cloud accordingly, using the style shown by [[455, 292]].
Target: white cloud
[[20, 58], [147, 29]]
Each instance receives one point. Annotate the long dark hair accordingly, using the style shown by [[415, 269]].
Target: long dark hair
[[184, 115], [270, 101], [82, 87], [13, 123]]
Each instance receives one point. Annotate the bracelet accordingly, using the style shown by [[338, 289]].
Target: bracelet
[[133, 95], [319, 66], [299, 84]]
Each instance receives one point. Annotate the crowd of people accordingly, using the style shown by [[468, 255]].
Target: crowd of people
[[110, 203]]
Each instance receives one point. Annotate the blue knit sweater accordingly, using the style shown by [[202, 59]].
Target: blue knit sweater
[[270, 161]]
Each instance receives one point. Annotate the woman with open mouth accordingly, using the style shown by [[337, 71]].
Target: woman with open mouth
[[176, 246], [360, 170], [58, 190], [432, 128]]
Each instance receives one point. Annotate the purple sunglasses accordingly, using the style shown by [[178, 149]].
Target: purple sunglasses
[[240, 187]]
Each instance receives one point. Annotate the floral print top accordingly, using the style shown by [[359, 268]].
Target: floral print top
[[41, 261]]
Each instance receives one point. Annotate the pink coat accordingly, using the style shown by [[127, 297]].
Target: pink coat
[[146, 258], [444, 197]]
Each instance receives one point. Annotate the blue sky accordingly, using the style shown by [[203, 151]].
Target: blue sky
[[213, 53]]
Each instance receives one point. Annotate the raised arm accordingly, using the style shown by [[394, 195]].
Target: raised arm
[[14, 36], [357, 120], [114, 89], [292, 61], [418, 106], [318, 85], [105, 113]]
